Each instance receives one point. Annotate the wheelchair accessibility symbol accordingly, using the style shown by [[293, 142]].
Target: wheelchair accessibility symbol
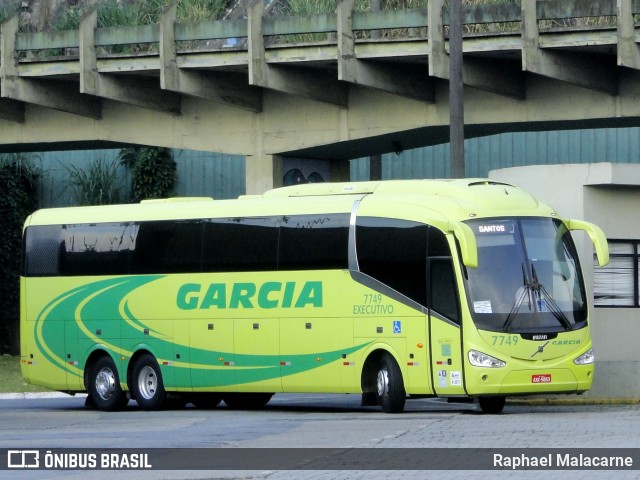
[[397, 326]]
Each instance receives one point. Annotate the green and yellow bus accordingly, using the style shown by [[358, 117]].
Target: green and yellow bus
[[462, 289]]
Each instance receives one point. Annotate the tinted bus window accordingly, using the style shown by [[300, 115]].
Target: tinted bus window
[[314, 242], [395, 253], [168, 247], [41, 251], [97, 249], [240, 245], [442, 288], [443, 291]]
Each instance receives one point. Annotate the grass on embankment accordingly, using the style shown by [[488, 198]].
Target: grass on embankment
[[11, 378]]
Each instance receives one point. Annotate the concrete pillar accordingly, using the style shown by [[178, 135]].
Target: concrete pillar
[[263, 172]]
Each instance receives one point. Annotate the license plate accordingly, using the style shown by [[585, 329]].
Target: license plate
[[541, 378]]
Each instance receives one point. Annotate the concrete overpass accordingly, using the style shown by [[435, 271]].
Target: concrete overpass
[[266, 87]]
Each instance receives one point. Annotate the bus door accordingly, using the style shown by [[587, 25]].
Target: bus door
[[445, 328]]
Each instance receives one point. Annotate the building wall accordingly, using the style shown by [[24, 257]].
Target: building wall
[[199, 174], [513, 149], [608, 195]]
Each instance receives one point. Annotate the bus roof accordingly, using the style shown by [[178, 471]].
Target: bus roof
[[451, 199]]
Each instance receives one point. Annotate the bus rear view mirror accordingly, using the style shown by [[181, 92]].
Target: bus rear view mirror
[[597, 237], [467, 241]]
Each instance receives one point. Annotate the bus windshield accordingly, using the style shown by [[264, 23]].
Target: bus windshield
[[528, 278]]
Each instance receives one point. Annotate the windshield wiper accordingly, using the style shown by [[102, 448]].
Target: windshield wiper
[[526, 292], [533, 291], [549, 301]]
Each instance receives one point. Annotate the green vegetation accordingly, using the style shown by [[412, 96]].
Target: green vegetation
[[7, 9], [96, 186], [11, 379], [153, 172], [17, 200], [113, 13]]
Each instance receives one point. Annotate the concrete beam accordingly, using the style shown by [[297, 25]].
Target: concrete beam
[[139, 91], [584, 71], [399, 80], [226, 88], [628, 51], [57, 95], [314, 84], [497, 76]]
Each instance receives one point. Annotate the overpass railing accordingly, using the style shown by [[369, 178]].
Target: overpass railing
[[566, 14], [397, 51]]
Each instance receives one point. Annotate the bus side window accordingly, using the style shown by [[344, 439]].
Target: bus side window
[[42, 245], [240, 245], [443, 294], [394, 252], [168, 247], [314, 242], [96, 248]]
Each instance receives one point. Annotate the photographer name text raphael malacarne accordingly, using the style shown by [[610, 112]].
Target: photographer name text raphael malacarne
[[560, 460]]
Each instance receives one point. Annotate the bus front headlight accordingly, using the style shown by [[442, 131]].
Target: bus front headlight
[[586, 358], [479, 359]]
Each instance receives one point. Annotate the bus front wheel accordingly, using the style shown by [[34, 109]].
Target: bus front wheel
[[491, 405], [146, 383], [104, 386], [390, 390]]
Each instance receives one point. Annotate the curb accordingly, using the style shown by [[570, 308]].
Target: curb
[[29, 395]]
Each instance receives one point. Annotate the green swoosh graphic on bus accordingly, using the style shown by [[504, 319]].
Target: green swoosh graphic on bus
[[108, 300]]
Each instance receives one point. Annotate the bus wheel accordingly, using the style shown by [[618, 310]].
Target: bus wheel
[[491, 405], [146, 383], [246, 401], [389, 385], [206, 400], [104, 386]]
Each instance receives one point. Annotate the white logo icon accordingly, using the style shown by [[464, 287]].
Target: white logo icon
[[23, 459]]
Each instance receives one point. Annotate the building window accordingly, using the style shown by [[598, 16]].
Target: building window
[[616, 284]]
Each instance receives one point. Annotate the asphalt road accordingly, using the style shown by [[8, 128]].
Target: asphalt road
[[316, 421]]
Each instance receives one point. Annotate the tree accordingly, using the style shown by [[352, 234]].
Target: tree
[[153, 171], [18, 180]]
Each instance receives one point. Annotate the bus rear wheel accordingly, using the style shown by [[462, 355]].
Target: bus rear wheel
[[390, 390], [146, 383], [104, 386], [491, 405]]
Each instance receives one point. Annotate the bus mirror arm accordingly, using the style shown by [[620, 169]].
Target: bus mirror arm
[[467, 242], [596, 235]]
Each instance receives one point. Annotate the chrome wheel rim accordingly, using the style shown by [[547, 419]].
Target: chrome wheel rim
[[382, 382], [105, 383], [147, 383]]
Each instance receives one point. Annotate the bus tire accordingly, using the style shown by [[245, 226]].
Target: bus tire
[[246, 401], [146, 383], [390, 390], [104, 386], [491, 405]]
